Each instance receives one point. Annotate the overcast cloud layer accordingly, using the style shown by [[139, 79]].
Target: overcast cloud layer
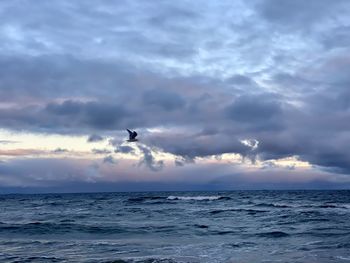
[[264, 79]]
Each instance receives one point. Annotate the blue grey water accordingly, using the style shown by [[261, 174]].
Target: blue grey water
[[237, 226]]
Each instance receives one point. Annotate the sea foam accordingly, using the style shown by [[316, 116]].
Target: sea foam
[[195, 198]]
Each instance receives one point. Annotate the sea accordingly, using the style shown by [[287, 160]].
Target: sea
[[170, 227]]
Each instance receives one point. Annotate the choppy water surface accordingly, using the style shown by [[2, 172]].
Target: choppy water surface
[[239, 226]]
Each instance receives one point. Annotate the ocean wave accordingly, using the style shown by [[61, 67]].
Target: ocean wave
[[201, 226], [249, 211], [343, 258], [324, 234], [42, 228], [240, 244], [331, 205], [273, 234], [146, 198], [198, 198], [145, 260], [222, 232], [34, 259], [272, 205], [326, 205]]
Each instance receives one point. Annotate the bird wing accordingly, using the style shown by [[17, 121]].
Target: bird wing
[[130, 134], [134, 134]]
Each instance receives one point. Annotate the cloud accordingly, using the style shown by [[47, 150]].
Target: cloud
[[192, 146], [338, 39], [94, 114], [109, 159], [40, 172], [165, 100], [46, 174], [60, 150], [300, 14], [261, 112], [101, 151], [95, 138], [148, 159], [124, 149], [22, 152], [181, 161], [194, 81], [7, 142]]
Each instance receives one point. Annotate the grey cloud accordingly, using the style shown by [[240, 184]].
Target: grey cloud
[[22, 152], [101, 151], [164, 99], [294, 86], [8, 142], [95, 114], [41, 102], [248, 116], [173, 15], [241, 80], [124, 149], [60, 150], [298, 13], [62, 27], [181, 161], [69, 115], [339, 38], [316, 130], [109, 159], [60, 76], [261, 112], [178, 162], [148, 159], [216, 78], [192, 146], [95, 138], [40, 172]]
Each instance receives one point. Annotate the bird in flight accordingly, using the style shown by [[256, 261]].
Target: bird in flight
[[132, 136]]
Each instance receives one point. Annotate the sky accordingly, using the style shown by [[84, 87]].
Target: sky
[[223, 94]]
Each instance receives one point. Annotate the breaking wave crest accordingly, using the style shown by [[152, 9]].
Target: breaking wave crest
[[198, 198]]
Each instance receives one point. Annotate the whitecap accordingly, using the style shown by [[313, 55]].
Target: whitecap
[[196, 198], [343, 258]]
